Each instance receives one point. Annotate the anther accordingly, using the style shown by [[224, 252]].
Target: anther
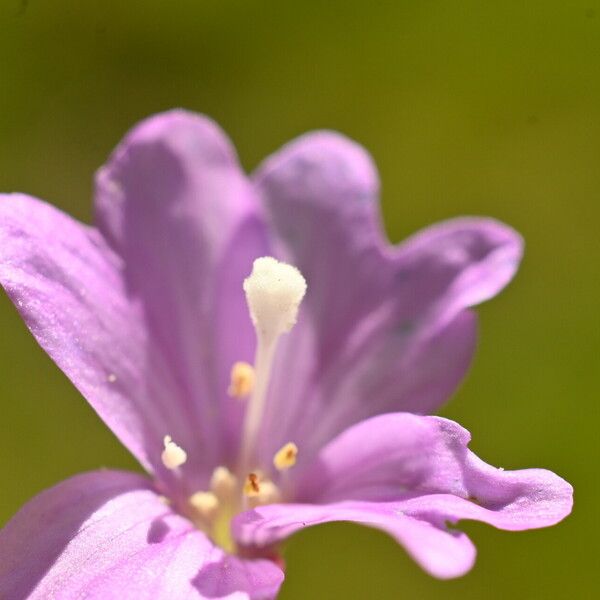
[[205, 503], [223, 483], [252, 486], [285, 458], [269, 493], [260, 491], [172, 456], [242, 380]]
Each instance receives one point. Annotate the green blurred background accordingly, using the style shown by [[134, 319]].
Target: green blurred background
[[468, 108]]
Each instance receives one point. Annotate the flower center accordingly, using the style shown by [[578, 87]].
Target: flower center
[[274, 291]]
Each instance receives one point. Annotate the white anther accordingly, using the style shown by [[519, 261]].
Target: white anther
[[223, 483], [274, 291], [269, 493], [172, 456], [205, 503]]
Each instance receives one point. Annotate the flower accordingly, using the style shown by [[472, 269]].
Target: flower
[[260, 397]]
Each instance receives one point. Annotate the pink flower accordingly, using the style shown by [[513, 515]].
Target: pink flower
[[154, 316]]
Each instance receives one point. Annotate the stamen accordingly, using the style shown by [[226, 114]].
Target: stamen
[[172, 456], [285, 458], [274, 291], [242, 380], [223, 483], [269, 494], [259, 491], [205, 503], [251, 486]]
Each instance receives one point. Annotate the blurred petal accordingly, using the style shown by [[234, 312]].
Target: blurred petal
[[455, 264], [175, 204], [382, 328], [395, 456], [106, 534], [441, 552]]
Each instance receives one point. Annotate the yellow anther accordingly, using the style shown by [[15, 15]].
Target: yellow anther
[[172, 456], [223, 483], [242, 380], [286, 457], [205, 503], [252, 486]]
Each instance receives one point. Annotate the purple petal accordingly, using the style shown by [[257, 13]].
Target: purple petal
[[382, 328], [395, 456], [66, 284], [513, 500], [423, 477], [441, 552], [106, 534], [382, 458], [396, 368], [428, 478], [321, 194], [175, 204], [454, 265]]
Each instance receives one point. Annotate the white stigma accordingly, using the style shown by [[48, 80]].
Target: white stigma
[[274, 291], [172, 456]]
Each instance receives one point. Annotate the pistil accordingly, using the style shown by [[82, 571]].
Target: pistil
[[274, 291]]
